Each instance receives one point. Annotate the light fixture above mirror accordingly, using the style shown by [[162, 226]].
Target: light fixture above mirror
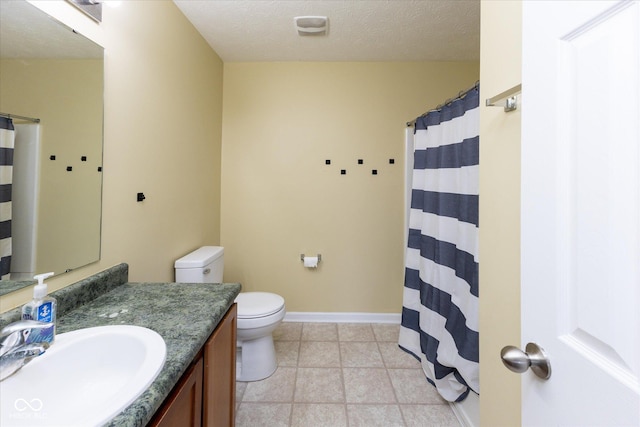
[[92, 8]]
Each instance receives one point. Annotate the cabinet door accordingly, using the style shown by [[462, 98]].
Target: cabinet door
[[220, 373], [183, 407]]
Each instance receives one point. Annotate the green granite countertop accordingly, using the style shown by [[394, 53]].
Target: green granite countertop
[[183, 314]]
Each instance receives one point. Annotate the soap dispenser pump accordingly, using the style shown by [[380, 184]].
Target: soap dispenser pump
[[43, 309]]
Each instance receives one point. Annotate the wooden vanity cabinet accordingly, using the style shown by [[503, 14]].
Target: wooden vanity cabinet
[[219, 396], [183, 407], [206, 393]]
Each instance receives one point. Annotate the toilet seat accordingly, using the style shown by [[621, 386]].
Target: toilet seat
[[254, 305]]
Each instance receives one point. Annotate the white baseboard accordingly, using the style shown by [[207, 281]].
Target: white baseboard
[[468, 411], [342, 317]]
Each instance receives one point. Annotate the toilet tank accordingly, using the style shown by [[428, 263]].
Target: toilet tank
[[204, 265]]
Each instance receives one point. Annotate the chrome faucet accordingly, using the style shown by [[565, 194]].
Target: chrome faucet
[[15, 351]]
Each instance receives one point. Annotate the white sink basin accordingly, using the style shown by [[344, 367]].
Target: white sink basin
[[85, 378]]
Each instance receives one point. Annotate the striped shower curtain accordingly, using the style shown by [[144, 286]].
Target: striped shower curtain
[[7, 136], [440, 302]]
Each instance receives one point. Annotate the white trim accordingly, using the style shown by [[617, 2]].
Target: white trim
[[468, 411], [343, 317]]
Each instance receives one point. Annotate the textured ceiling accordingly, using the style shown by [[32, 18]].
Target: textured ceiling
[[359, 30], [22, 27]]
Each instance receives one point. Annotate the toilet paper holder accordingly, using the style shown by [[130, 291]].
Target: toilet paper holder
[[302, 257]]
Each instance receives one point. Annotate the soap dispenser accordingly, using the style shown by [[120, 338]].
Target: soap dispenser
[[43, 309]]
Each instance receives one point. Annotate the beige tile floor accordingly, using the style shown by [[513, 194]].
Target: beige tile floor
[[342, 375]]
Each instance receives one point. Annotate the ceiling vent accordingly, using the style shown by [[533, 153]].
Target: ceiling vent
[[312, 25]]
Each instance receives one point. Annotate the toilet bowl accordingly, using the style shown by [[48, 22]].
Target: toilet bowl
[[259, 313]]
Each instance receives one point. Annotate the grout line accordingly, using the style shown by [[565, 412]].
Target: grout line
[[344, 388], [293, 394]]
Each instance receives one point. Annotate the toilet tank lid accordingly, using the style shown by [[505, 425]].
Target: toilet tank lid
[[200, 257]]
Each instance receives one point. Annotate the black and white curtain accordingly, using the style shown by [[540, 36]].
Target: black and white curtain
[[7, 137], [440, 301]]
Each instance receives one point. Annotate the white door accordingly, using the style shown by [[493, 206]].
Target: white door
[[581, 211]]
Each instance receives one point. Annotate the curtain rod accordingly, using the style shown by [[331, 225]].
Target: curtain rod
[[15, 116], [461, 95]]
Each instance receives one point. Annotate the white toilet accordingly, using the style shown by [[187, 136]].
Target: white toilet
[[259, 313]]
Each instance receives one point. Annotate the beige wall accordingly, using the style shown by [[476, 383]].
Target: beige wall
[[66, 95], [163, 126], [163, 112], [500, 69], [281, 121]]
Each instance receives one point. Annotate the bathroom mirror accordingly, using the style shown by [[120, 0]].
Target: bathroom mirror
[[50, 72]]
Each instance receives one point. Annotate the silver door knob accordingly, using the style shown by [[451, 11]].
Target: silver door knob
[[534, 357]]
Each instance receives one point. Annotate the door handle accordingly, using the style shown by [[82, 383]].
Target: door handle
[[533, 357]]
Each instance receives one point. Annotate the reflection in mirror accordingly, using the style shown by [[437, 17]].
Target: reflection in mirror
[[91, 8], [49, 72]]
